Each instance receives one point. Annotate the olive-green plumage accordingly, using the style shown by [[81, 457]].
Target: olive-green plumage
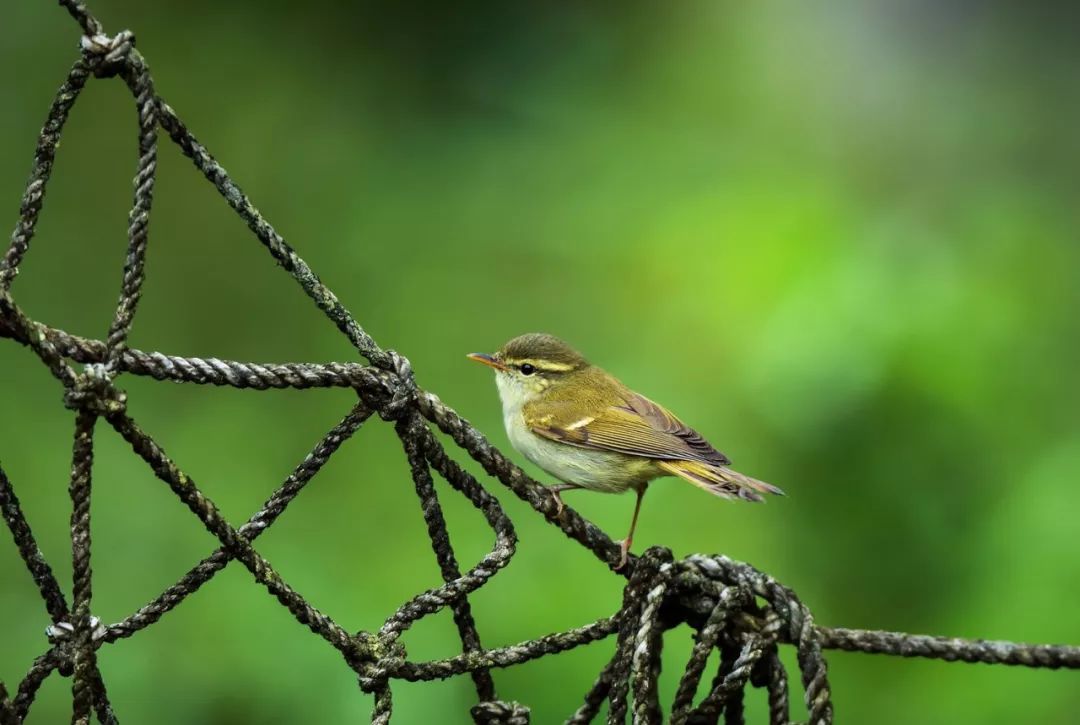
[[586, 428]]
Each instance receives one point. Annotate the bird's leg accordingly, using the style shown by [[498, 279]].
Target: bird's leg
[[625, 544], [556, 492]]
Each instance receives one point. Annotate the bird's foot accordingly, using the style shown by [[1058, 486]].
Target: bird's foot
[[624, 548], [559, 505]]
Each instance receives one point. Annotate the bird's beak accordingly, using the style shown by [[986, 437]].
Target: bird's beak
[[484, 358]]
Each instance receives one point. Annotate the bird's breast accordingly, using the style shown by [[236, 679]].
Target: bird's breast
[[597, 470]]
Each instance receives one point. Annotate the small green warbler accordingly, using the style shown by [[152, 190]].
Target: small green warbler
[[587, 429]]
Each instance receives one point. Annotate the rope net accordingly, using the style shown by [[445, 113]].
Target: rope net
[[733, 608]]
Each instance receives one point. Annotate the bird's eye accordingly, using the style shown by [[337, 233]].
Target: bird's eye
[[527, 369]]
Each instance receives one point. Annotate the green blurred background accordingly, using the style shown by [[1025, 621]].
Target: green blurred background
[[839, 240]]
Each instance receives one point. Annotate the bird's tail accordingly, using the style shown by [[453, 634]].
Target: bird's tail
[[720, 480]]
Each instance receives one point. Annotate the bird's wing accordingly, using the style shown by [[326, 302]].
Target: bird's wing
[[637, 426]]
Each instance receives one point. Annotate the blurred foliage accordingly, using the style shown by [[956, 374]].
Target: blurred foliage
[[840, 241]]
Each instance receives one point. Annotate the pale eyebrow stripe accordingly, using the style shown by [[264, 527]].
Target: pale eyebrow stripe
[[551, 367]]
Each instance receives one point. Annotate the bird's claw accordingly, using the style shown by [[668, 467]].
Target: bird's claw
[[624, 549], [559, 505]]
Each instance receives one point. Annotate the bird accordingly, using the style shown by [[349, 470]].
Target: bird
[[583, 426]]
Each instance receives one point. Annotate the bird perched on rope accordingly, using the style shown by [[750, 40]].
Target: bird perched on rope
[[584, 427]]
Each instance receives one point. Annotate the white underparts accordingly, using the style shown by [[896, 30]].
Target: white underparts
[[597, 470]]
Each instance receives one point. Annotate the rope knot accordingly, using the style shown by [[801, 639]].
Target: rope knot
[[404, 394], [94, 391], [64, 631], [374, 656], [496, 712], [107, 56], [656, 562]]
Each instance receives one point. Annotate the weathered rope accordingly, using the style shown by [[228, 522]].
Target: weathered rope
[[951, 649], [731, 600], [734, 609]]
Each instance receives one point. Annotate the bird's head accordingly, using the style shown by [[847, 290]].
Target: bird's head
[[530, 364]]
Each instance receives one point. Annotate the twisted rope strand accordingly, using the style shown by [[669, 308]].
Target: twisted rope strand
[[408, 429], [35, 562], [44, 156], [951, 649], [82, 460], [42, 667], [800, 628], [207, 512], [7, 714], [731, 598], [515, 654], [86, 21], [137, 77], [326, 300], [779, 709], [648, 644], [102, 708], [727, 691], [255, 526], [532, 492], [649, 574]]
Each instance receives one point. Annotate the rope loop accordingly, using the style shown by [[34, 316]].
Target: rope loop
[[497, 712], [107, 56], [94, 391]]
